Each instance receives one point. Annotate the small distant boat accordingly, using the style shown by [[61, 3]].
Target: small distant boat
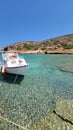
[[12, 63]]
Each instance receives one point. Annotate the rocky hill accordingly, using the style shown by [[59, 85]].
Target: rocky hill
[[62, 44]]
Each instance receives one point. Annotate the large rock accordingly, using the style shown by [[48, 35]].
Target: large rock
[[60, 119], [68, 67], [64, 108]]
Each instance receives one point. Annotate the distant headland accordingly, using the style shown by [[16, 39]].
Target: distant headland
[[58, 45]]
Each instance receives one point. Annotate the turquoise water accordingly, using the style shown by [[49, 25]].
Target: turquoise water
[[29, 99]]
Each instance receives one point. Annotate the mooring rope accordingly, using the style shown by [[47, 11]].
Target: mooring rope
[[9, 121]]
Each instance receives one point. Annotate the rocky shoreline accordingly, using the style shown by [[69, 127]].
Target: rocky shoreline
[[45, 52]]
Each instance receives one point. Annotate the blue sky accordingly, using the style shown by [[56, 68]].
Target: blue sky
[[34, 20]]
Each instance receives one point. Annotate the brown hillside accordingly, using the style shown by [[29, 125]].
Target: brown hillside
[[62, 44]]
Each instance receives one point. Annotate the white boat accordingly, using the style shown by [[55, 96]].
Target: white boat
[[12, 63]]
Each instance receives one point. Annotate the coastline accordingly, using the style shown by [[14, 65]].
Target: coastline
[[39, 51], [70, 51]]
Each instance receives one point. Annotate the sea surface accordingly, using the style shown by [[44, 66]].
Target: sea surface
[[31, 100]]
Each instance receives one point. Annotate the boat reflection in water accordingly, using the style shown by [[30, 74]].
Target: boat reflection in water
[[12, 78]]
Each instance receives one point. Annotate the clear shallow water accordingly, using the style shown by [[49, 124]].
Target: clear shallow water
[[31, 99]]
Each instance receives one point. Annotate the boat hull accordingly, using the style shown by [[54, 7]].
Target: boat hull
[[16, 70]]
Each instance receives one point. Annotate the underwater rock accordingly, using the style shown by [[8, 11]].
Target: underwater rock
[[60, 119], [56, 123], [51, 122], [68, 67], [64, 108]]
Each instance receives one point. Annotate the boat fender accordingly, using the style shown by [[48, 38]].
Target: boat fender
[[4, 70]]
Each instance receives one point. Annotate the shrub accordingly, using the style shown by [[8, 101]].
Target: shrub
[[65, 46]]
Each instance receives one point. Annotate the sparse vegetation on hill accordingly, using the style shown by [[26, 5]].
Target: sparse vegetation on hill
[[61, 44]]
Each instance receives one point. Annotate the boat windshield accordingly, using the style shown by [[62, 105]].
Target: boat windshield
[[6, 55]]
